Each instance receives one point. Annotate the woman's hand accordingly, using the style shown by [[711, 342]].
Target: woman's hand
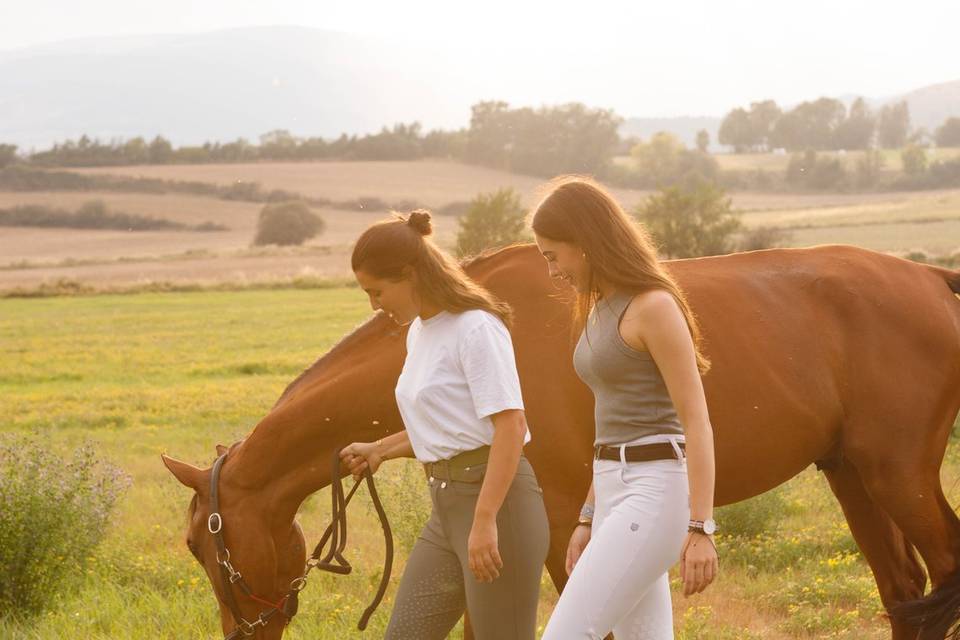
[[359, 456], [485, 562], [698, 563], [578, 542]]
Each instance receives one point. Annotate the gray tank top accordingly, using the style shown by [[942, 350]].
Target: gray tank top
[[631, 398]]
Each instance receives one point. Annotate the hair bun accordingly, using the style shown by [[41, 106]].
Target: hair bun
[[419, 219]]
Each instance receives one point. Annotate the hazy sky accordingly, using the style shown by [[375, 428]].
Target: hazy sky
[[700, 57]]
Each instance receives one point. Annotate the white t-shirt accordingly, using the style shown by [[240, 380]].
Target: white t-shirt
[[460, 369]]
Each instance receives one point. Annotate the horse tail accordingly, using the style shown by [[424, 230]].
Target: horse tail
[[951, 278], [937, 614]]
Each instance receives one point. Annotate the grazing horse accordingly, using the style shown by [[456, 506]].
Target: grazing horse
[[833, 355]]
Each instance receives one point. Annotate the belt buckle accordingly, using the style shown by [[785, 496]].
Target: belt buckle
[[596, 451]]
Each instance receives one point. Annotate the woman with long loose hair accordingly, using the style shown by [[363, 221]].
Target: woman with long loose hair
[[651, 499], [486, 541]]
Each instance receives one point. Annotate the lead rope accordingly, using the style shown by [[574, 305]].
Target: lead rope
[[336, 533]]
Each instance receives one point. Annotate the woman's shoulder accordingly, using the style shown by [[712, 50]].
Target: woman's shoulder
[[651, 303], [472, 319]]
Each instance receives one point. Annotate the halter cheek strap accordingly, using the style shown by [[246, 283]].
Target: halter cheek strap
[[333, 561]]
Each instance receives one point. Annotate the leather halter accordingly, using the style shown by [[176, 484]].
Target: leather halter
[[332, 561]]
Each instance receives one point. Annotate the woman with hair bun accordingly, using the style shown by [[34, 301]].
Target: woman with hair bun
[[485, 543]]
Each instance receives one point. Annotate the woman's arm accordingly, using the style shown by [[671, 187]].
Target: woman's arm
[[509, 429], [360, 455], [654, 322], [396, 445], [581, 534]]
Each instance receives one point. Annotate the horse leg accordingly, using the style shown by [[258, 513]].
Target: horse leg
[[891, 557], [467, 629], [903, 477], [557, 556]]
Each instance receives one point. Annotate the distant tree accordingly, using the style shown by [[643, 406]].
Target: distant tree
[[402, 142], [494, 219], [287, 223], [136, 151], [809, 125], [703, 140], [914, 159], [762, 116], [858, 129], [489, 137], [660, 157], [748, 130], [894, 125], [160, 150], [948, 134], [277, 137], [8, 154], [445, 144], [278, 144], [665, 161], [735, 131], [687, 223], [546, 141]]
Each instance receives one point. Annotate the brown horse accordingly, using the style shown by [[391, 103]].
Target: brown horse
[[833, 355]]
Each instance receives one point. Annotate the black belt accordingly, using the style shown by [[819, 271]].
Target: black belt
[[638, 453]]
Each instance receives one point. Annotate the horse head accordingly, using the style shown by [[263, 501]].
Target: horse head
[[347, 395]]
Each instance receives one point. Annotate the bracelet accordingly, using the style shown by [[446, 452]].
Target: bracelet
[[586, 511], [585, 522]]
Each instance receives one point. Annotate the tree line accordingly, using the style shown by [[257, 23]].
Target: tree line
[[544, 141], [827, 124], [573, 138]]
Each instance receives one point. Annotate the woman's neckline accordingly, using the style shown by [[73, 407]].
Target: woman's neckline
[[432, 319]]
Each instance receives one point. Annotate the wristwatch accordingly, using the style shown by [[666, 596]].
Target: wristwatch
[[586, 516], [707, 527]]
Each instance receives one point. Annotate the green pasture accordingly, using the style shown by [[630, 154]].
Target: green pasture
[[142, 374]]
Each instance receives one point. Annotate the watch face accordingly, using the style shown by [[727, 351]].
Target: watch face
[[709, 527]]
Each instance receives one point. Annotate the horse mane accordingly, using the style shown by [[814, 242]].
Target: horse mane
[[358, 333], [471, 261]]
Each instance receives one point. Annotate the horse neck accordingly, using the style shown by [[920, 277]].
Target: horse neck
[[350, 398]]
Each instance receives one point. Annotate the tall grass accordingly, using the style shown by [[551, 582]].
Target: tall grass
[[142, 374]]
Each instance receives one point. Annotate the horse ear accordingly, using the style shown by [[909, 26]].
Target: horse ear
[[221, 450], [188, 475]]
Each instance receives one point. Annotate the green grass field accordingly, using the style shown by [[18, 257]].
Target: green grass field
[[178, 372]]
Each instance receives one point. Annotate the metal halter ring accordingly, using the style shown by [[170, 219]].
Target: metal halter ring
[[250, 628], [210, 523], [297, 584]]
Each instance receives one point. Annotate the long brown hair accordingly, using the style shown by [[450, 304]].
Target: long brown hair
[[619, 250], [387, 247]]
